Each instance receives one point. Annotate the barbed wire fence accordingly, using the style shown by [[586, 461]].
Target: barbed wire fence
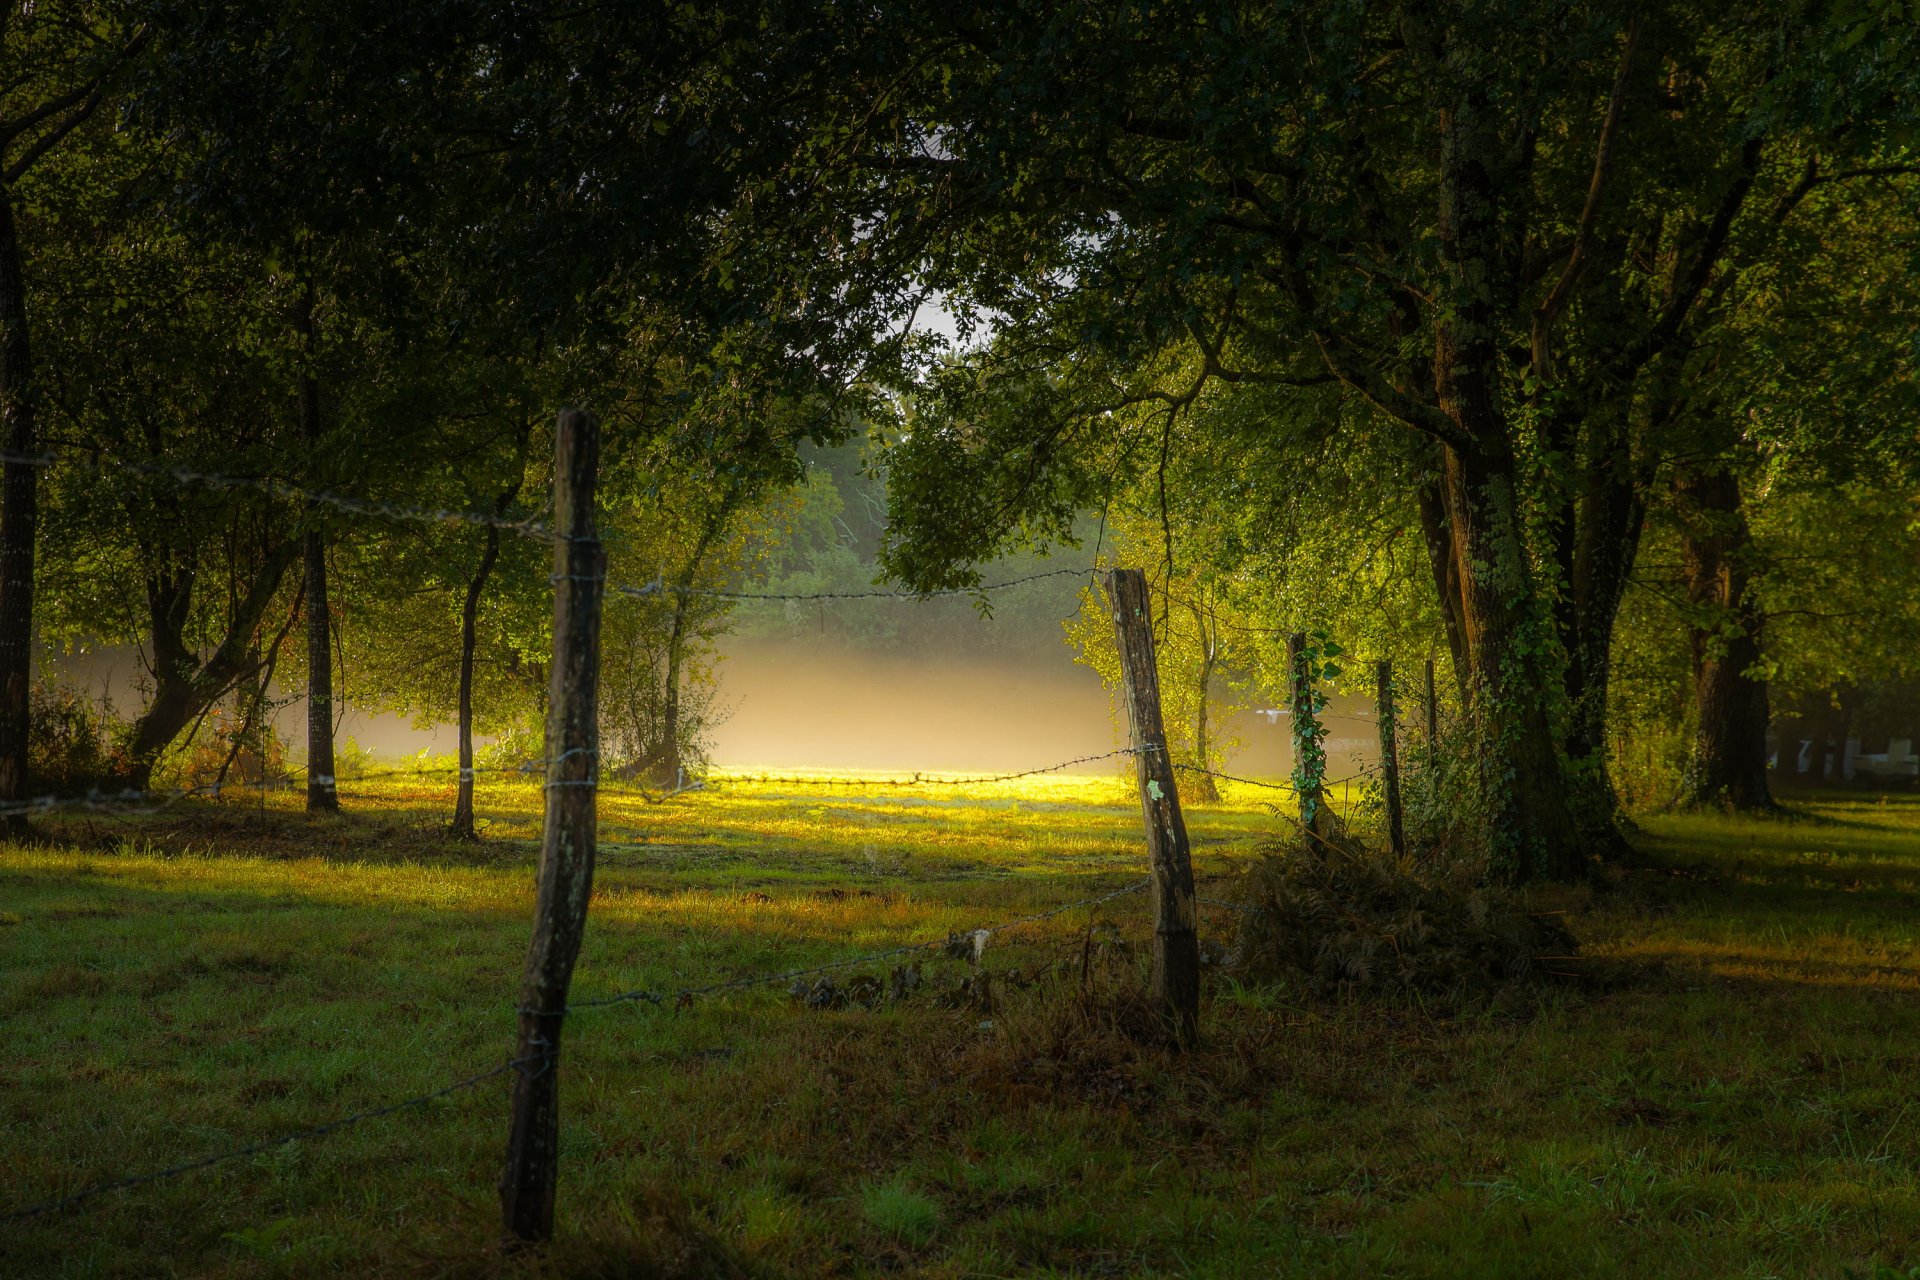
[[542, 1059]]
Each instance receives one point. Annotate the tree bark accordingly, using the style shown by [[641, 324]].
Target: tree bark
[[182, 687], [1201, 788], [322, 793], [669, 764], [1612, 516], [1175, 981], [1436, 529], [565, 880], [1533, 831], [462, 825], [19, 514], [1729, 767]]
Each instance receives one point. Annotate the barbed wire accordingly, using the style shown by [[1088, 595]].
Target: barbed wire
[[660, 998], [193, 477], [136, 802], [656, 999], [316, 1131], [1325, 783], [659, 586], [919, 779]]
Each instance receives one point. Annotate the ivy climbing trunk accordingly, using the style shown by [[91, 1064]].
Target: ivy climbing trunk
[[1533, 830], [1729, 766], [19, 513], [1611, 519]]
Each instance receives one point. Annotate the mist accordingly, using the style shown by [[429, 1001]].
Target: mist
[[789, 705]]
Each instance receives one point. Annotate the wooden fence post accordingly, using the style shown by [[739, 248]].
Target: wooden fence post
[[1176, 946], [567, 845], [1389, 756], [1313, 801]]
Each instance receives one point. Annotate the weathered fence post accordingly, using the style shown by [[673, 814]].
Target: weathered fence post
[[1307, 774], [566, 849], [1176, 947], [1389, 756]]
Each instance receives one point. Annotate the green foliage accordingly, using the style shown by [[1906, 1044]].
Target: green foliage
[[1204, 665], [77, 742], [1307, 698]]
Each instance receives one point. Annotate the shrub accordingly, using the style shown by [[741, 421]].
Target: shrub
[[248, 754], [74, 742], [1345, 919]]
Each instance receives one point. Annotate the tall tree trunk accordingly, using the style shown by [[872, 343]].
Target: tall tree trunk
[[322, 793], [1729, 767], [19, 511], [462, 826], [1612, 516], [1533, 830]]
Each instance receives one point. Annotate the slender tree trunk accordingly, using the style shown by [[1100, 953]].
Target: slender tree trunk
[[1822, 726], [1201, 788], [462, 826], [670, 759], [19, 513], [1729, 767], [670, 762], [322, 792], [1843, 729]]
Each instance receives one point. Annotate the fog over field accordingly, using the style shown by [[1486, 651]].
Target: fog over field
[[788, 703], [798, 708]]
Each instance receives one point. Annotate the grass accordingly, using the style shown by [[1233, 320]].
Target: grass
[[1737, 1102]]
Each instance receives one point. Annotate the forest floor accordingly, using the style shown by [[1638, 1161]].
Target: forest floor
[[1736, 1100]]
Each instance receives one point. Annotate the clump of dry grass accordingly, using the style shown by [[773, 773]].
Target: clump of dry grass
[[1342, 918]]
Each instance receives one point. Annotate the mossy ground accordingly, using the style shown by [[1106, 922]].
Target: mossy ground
[[1736, 1100]]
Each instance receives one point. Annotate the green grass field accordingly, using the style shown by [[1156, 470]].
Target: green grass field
[[1735, 1100]]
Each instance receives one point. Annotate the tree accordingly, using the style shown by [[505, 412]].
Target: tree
[[1208, 195], [1197, 644], [73, 56]]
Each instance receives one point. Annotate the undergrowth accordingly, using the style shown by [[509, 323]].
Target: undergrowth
[[1340, 918]]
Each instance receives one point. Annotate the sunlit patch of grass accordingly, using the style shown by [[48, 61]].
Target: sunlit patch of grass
[[1738, 1103]]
